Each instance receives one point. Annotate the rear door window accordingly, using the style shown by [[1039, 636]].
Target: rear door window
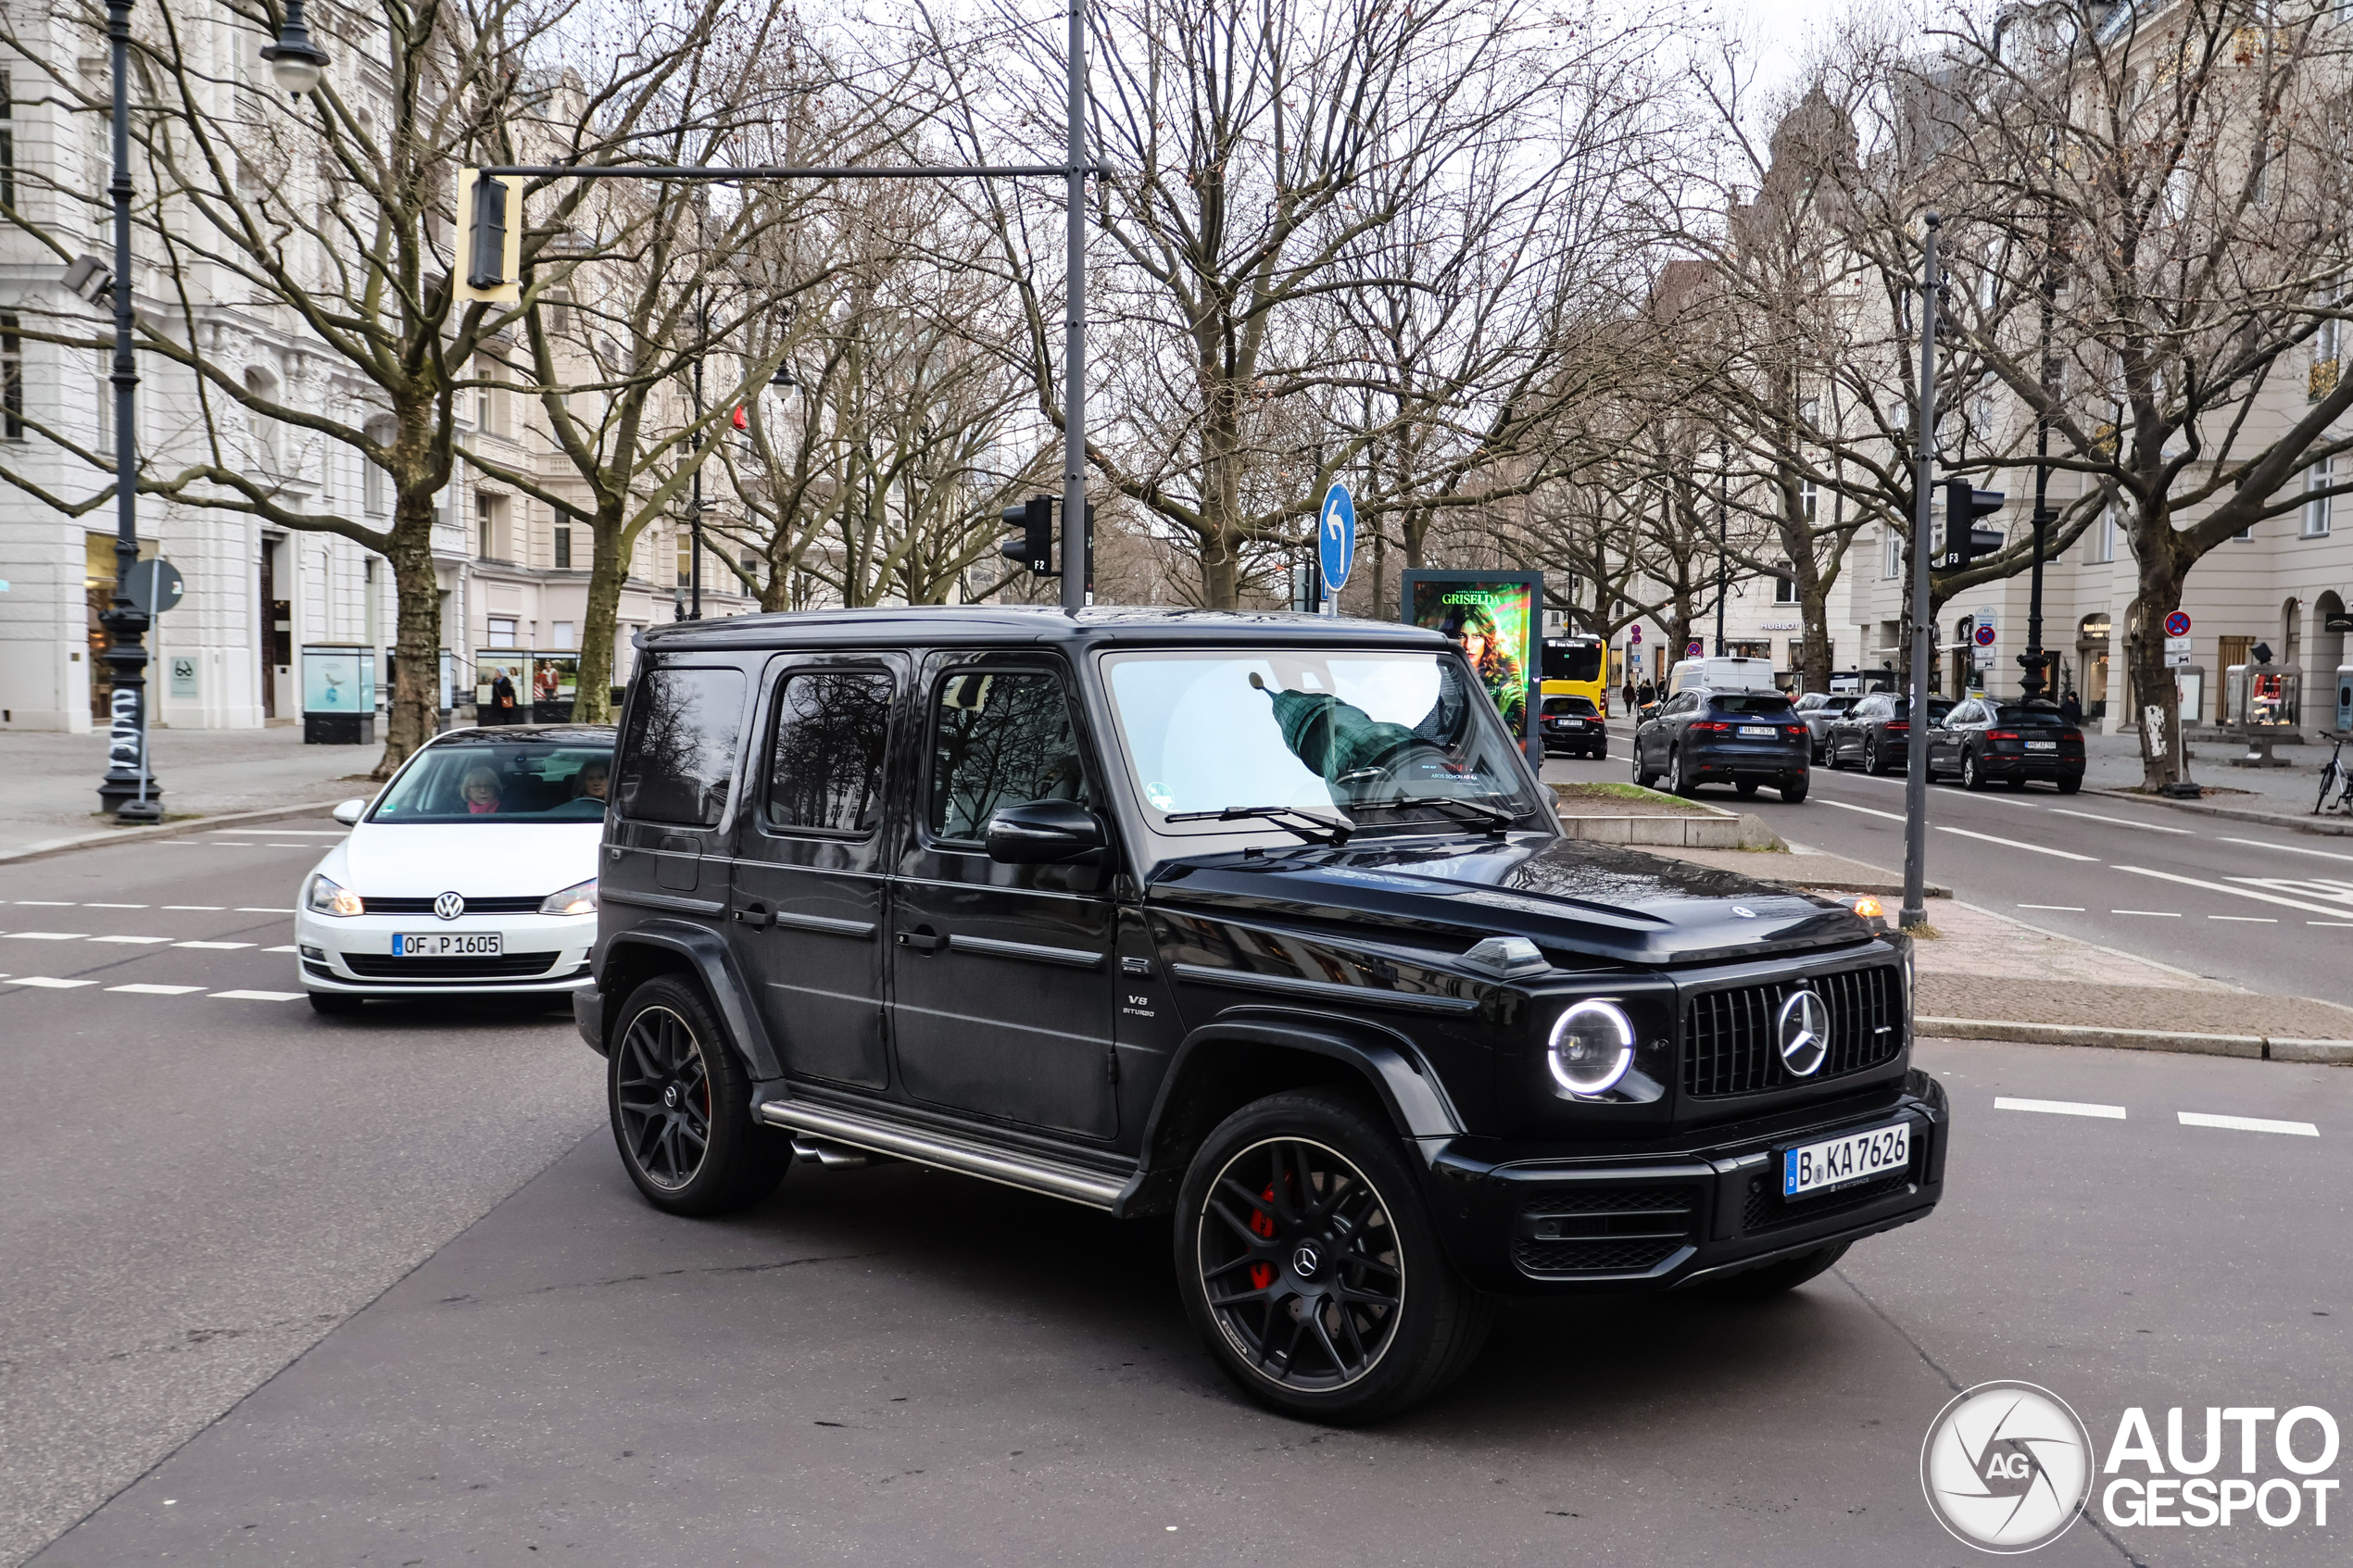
[[680, 750], [825, 772]]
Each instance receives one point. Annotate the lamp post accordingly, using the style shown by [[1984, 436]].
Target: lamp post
[[2037, 662], [1915, 908], [1723, 535]]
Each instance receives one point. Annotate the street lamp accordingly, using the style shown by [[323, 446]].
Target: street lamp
[[296, 62]]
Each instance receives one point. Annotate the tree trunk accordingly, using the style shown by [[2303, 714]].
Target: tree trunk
[[2154, 696], [412, 714], [1814, 652], [600, 625]]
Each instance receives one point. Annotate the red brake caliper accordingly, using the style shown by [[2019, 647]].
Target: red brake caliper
[[1262, 1224]]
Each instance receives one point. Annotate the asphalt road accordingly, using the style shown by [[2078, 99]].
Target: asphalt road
[[284, 1290], [2235, 901]]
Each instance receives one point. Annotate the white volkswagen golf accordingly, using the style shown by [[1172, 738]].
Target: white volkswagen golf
[[473, 871]]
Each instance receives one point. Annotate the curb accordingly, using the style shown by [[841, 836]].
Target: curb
[[2260, 1047], [168, 830], [2318, 827]]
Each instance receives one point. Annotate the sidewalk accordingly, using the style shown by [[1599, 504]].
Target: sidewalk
[[2279, 796], [49, 782]]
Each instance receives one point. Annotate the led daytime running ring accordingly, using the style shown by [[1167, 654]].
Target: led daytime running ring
[[1584, 1080]]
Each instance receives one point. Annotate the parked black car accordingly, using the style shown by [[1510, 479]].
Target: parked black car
[[1574, 725], [1742, 739], [1260, 922], [1817, 710], [1984, 740], [1875, 731]]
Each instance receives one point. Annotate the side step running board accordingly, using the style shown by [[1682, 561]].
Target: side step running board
[[1013, 1170]]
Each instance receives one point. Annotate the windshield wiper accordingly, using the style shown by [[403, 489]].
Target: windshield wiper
[[1494, 817], [1312, 826]]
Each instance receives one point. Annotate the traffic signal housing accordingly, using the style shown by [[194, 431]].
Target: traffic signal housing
[[490, 237], [1034, 546], [1964, 504]]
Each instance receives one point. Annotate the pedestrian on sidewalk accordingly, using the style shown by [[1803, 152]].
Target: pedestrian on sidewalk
[[2071, 713], [1630, 697], [1644, 696]]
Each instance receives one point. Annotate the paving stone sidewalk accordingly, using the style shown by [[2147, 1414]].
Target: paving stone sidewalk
[[49, 782]]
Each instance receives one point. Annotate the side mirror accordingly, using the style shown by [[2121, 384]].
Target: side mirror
[[351, 812], [1044, 832]]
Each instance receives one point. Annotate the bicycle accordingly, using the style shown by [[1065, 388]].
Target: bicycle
[[2336, 775]]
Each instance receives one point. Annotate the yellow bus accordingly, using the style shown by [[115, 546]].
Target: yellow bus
[[1577, 666]]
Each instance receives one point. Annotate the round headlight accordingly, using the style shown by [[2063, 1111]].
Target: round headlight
[[1593, 1045]]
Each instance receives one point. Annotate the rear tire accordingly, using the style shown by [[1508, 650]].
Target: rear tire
[[1774, 1278], [333, 1004], [1875, 760], [1744, 788], [680, 1103], [1601, 752], [1794, 793], [1972, 778], [1309, 1266], [2068, 786]]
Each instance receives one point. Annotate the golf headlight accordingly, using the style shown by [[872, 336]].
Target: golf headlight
[[578, 900], [1592, 1046], [332, 898]]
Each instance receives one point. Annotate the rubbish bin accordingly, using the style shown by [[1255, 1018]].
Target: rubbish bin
[[338, 695], [2345, 698]]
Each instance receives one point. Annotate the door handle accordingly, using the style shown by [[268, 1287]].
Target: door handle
[[922, 941], [753, 915]]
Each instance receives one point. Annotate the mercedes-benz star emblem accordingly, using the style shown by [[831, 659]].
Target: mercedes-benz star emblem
[[1306, 1260], [1743, 911], [1803, 1032], [2007, 1467], [449, 906]]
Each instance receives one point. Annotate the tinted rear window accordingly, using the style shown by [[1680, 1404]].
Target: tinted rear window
[[1583, 705], [2029, 717], [1754, 705], [680, 749]]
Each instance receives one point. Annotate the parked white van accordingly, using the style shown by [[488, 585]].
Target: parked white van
[[1727, 674]]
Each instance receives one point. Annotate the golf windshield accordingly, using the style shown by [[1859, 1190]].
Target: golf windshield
[[500, 782], [1355, 734]]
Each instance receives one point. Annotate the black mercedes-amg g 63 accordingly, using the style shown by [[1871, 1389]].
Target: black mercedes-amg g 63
[[1257, 921]]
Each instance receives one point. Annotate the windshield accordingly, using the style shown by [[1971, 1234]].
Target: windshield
[[1754, 704], [1567, 660], [1358, 733], [501, 782]]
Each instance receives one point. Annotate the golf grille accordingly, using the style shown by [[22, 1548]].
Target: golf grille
[[505, 966], [1728, 1036]]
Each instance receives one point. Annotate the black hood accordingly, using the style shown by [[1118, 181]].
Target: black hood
[[1581, 902]]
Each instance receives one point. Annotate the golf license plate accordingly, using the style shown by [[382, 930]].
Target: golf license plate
[[448, 944], [2042, 746], [1858, 1156], [1762, 731]]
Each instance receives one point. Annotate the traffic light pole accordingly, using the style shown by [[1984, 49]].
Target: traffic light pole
[[1074, 541], [1914, 911]]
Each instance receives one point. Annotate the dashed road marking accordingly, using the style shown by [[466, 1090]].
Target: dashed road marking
[[2248, 920], [288, 950], [2015, 843], [42, 935], [49, 984], [2120, 822], [292, 833], [2226, 887], [2248, 1123], [2289, 848], [223, 945], [114, 906], [198, 909], [260, 910], [2342, 924], [2070, 909], [257, 995], [2159, 914], [44, 904], [141, 941], [157, 990], [2060, 1108]]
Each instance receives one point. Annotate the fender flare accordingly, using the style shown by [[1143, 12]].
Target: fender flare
[[706, 955], [1389, 1062]]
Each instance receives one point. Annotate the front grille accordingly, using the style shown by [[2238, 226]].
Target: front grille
[[1729, 1035], [524, 906], [1603, 1230], [1763, 1208], [504, 966]]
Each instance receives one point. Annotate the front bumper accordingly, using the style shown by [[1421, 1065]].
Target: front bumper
[[352, 954], [1701, 1208]]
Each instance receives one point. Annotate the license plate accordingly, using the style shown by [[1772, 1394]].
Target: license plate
[[1762, 732], [1858, 1156], [448, 944], [2042, 746]]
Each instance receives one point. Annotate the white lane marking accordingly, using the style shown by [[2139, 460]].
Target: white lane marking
[[260, 910], [1849, 806], [45, 982], [201, 908], [2334, 889], [2120, 822], [2248, 1125], [2159, 914], [290, 833], [2347, 924], [44, 904], [2060, 1108], [2248, 920], [2226, 887], [2070, 909], [257, 995], [114, 906], [141, 941], [2014, 844], [215, 945], [2290, 848], [286, 846], [44, 935], [157, 990], [281, 949]]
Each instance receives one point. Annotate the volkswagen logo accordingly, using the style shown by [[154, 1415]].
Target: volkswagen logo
[[2007, 1467], [449, 906], [1802, 1033], [1306, 1260]]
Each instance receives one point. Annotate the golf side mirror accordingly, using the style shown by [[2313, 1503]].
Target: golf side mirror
[[351, 812]]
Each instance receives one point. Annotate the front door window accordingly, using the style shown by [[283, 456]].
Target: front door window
[[999, 740]]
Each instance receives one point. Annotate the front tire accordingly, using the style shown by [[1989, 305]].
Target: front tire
[[1644, 777], [1310, 1267], [680, 1104], [1772, 1279], [1678, 773]]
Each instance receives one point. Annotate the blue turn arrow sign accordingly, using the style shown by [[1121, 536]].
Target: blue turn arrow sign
[[1336, 538]]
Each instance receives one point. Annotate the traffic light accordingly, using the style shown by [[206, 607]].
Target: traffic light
[[1964, 505], [1034, 546], [490, 228]]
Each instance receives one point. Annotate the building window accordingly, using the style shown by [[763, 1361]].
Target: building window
[[501, 633], [2316, 510], [1890, 548], [1809, 498], [1784, 589], [12, 378], [2104, 536], [375, 488], [7, 143], [685, 556], [565, 635], [2326, 344], [563, 552], [490, 520], [105, 401]]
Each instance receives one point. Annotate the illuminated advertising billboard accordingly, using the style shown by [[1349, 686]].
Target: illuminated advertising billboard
[[1494, 617]]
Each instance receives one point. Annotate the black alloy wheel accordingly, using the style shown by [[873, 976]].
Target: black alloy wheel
[[1309, 1267], [1875, 756], [1679, 772], [1644, 777], [681, 1106]]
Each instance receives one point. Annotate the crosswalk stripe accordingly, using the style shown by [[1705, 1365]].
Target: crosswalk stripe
[[48, 983], [2060, 1108], [42, 935], [257, 996]]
